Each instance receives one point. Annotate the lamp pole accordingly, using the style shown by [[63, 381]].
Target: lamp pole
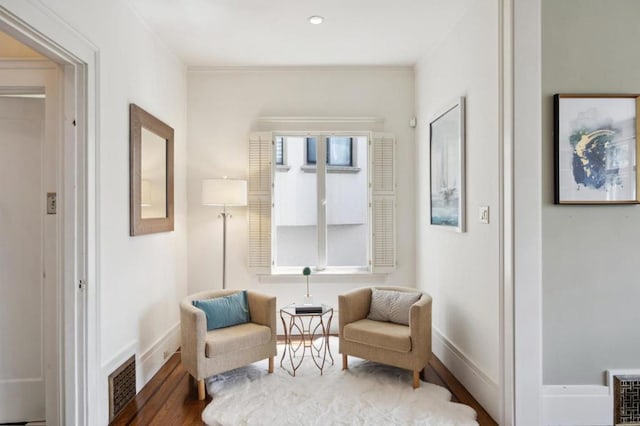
[[224, 214], [224, 192]]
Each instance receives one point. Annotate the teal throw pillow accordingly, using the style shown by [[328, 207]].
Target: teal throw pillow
[[225, 311]]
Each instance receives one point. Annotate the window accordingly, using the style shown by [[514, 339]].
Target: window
[[280, 151], [339, 222], [311, 151], [321, 220], [339, 151]]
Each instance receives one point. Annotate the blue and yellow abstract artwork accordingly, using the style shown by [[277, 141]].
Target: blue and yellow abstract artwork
[[595, 150]]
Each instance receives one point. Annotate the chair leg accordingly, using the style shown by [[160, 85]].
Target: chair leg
[[416, 379], [345, 362], [270, 365], [201, 392]]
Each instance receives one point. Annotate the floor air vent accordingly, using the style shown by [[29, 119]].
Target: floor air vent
[[122, 387], [626, 400]]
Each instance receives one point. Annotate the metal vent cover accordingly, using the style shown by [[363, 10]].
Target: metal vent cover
[[626, 400], [122, 387]]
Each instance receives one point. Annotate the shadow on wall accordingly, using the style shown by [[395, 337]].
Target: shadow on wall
[[456, 325], [155, 346]]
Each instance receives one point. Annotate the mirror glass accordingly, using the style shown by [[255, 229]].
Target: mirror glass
[[153, 175]]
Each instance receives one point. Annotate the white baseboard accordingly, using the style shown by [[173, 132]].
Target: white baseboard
[[479, 384], [153, 358], [115, 362], [577, 405]]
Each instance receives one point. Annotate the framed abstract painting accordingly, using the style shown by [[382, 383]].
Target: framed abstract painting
[[446, 147], [596, 149]]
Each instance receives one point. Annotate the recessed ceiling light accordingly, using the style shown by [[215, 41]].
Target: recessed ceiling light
[[316, 20]]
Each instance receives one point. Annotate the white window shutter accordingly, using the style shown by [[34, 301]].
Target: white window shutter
[[259, 218], [259, 202], [383, 202], [260, 157]]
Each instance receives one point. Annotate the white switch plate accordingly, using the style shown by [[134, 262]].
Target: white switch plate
[[484, 214]]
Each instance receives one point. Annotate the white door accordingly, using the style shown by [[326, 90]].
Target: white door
[[29, 271]]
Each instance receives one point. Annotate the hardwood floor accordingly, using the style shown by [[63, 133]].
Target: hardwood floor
[[170, 397]]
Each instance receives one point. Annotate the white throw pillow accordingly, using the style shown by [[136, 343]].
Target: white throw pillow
[[393, 306]]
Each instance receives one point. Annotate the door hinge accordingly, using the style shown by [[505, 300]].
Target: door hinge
[[51, 203], [82, 284]]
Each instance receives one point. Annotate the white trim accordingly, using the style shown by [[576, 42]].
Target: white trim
[[37, 26], [155, 356], [477, 382], [581, 404], [117, 360], [149, 361], [296, 68], [619, 372], [296, 126], [313, 120], [526, 187], [574, 405], [35, 63], [505, 212]]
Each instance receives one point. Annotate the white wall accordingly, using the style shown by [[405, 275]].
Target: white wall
[[141, 279], [590, 279], [223, 108], [461, 270]]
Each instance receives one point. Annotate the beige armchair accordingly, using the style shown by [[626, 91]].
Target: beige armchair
[[402, 346], [205, 353]]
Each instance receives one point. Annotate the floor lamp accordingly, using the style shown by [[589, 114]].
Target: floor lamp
[[226, 193]]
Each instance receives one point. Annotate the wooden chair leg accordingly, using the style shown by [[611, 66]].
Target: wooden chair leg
[[201, 392], [416, 379], [270, 365], [345, 362]]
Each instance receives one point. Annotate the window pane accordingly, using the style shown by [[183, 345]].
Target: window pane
[[279, 150], [339, 151], [347, 211], [311, 150], [295, 197]]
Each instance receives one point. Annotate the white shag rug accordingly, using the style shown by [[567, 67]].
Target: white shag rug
[[366, 394]]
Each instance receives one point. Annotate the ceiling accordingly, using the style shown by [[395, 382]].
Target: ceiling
[[277, 33]]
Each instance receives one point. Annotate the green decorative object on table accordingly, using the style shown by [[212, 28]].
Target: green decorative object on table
[[308, 299]]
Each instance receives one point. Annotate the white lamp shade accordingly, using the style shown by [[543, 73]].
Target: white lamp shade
[[224, 192]]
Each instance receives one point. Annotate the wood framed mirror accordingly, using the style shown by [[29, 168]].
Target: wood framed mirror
[[150, 173]]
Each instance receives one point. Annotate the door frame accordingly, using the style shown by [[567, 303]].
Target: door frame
[[78, 320]]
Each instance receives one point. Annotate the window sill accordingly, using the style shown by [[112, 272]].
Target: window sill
[[331, 169], [325, 272], [329, 276], [282, 168]]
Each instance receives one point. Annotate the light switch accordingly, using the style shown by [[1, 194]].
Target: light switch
[[484, 214]]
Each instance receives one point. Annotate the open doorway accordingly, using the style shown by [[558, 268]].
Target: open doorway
[[44, 141], [29, 267]]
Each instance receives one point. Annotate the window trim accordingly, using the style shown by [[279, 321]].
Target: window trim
[[381, 175]]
